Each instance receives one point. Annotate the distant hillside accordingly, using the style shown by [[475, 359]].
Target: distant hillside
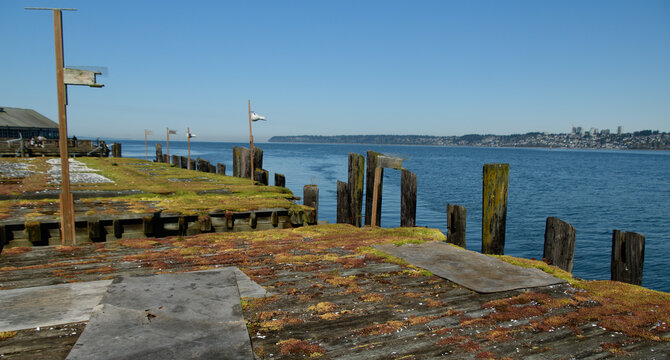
[[639, 140]]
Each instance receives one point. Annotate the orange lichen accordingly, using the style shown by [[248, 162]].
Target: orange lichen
[[300, 347], [373, 297], [16, 250], [322, 307]]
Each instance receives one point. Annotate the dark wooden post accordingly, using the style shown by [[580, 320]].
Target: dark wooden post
[[183, 162], [212, 168], [627, 257], [166, 159], [369, 187], [95, 231], [343, 206], [261, 175], [494, 208], [34, 233], [376, 198], [408, 184], [236, 161], [116, 150], [559, 243], [456, 225], [258, 158], [159, 153], [118, 228], [280, 180], [191, 164], [221, 169], [356, 174], [310, 197], [176, 161], [245, 163]]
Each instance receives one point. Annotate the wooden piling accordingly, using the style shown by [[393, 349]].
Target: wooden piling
[[159, 153], [191, 164], [274, 218], [371, 166], [182, 226], [376, 198], [343, 206], [212, 168], [221, 169], [258, 158], [494, 208], [244, 163], [296, 216], [261, 175], [166, 159], [627, 257], [116, 150], [253, 219], [310, 197], [280, 180], [456, 225], [559, 243], [176, 160], [408, 184], [183, 162], [95, 231], [236, 161], [356, 174]]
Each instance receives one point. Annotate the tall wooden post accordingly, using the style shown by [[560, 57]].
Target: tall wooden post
[[559, 243], [343, 206], [627, 257], [310, 195], [188, 141], [408, 185], [372, 189], [375, 218], [251, 147], [494, 208], [159, 153], [456, 225], [356, 173], [167, 149], [66, 201]]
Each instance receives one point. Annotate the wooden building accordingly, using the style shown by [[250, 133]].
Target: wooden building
[[27, 122]]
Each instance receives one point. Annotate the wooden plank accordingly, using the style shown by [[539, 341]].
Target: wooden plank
[[627, 257], [376, 199], [370, 188], [494, 208], [356, 174], [559, 243], [389, 162], [80, 77], [408, 185], [456, 216], [343, 206]]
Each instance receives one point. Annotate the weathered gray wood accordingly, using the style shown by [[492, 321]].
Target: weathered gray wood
[[389, 162], [116, 150], [494, 208], [376, 198], [253, 221], [192, 164], [212, 168], [261, 176], [310, 197], [371, 165], [221, 169], [151, 225], [559, 243], [80, 77], [627, 257], [176, 160], [203, 165], [205, 223], [236, 161], [34, 232], [296, 216], [118, 228], [95, 231], [182, 226], [408, 184], [258, 158], [166, 159], [244, 163], [280, 180], [456, 225], [274, 218], [183, 162], [343, 206], [356, 175]]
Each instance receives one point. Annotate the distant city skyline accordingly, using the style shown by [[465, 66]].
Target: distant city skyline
[[442, 68]]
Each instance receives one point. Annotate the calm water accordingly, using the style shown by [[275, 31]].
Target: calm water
[[595, 191]]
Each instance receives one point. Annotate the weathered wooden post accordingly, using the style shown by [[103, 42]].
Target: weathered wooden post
[[191, 164], [33, 230], [261, 176], [494, 208], [183, 162], [456, 225], [280, 180], [176, 161], [376, 198], [116, 150], [559, 243], [310, 197], [236, 161], [95, 230], [408, 183], [245, 163], [356, 174], [166, 159], [627, 257], [221, 169], [159, 153], [343, 206], [212, 168], [258, 158], [117, 228], [370, 169]]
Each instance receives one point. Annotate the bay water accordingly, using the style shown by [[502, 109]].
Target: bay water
[[596, 191]]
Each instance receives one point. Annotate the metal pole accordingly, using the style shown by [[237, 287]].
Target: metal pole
[[251, 145], [188, 141], [66, 202]]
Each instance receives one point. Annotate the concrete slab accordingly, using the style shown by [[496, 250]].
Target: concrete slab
[[248, 287], [194, 315], [49, 305], [475, 271]]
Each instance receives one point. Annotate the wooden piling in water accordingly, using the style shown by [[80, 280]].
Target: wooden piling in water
[[183, 162], [261, 176], [371, 166], [310, 197], [159, 153], [212, 168], [559, 243], [408, 184], [494, 208], [456, 216], [343, 206], [356, 174], [221, 169], [627, 257], [176, 160], [192, 164], [280, 180], [166, 160], [236, 161], [376, 217], [116, 150]]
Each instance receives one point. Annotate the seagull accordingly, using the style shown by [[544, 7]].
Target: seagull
[[256, 117]]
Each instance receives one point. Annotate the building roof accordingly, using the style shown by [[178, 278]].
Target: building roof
[[16, 117]]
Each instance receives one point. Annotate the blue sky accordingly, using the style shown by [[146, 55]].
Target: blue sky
[[344, 67]]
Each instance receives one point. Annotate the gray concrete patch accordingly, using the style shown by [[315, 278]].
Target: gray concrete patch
[[49, 305], [194, 315], [248, 287], [475, 271]]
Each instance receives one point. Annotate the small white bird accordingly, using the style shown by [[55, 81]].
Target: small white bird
[[256, 117]]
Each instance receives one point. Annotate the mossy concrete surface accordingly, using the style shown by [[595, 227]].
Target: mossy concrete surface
[[335, 297]]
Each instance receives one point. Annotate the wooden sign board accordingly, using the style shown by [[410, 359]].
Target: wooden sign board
[[390, 162], [80, 77]]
